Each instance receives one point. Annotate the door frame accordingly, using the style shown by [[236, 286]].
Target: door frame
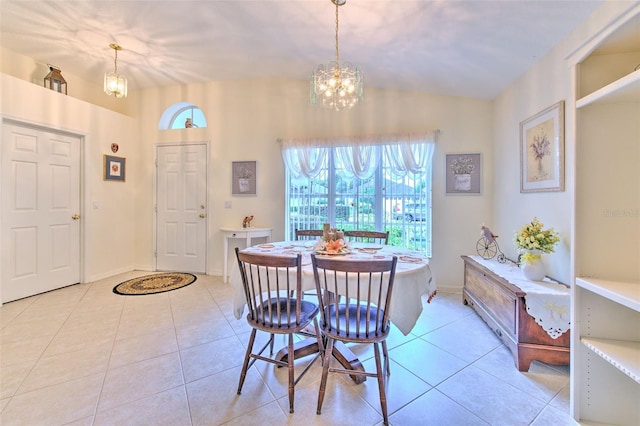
[[82, 139], [154, 246]]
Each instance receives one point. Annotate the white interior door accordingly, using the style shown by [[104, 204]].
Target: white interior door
[[40, 211], [181, 219]]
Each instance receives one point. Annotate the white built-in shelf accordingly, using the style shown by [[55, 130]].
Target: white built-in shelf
[[626, 89], [622, 354], [624, 293]]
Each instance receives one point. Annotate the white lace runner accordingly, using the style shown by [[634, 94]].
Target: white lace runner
[[547, 301]]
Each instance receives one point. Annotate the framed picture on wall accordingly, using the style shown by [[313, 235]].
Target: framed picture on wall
[[542, 151], [114, 168], [463, 173], [243, 178]]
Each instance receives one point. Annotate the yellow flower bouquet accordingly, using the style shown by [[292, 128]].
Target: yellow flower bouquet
[[533, 237]]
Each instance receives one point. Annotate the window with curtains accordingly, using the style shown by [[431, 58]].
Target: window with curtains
[[364, 185]]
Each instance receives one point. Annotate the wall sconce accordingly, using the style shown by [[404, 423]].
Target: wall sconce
[[55, 81]]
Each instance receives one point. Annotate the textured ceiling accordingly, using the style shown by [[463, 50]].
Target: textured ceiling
[[463, 48]]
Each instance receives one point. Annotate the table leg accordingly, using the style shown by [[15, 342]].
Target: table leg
[[225, 254], [340, 352]]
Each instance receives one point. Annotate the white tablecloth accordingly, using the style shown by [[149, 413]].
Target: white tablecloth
[[548, 302], [413, 276]]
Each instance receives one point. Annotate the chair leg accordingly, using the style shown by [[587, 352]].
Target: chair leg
[[381, 384], [290, 359], [319, 337], [271, 344], [325, 372], [247, 357], [387, 369]]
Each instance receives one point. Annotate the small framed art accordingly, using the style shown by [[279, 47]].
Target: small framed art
[[114, 168], [463, 173], [542, 151], [243, 178]]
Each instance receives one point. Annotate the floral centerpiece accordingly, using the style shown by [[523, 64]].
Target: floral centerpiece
[[532, 237], [332, 241]]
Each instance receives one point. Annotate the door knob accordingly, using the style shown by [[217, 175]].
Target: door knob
[[202, 215], [75, 216]]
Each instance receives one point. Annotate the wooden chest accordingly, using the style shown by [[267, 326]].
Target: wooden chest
[[501, 305]]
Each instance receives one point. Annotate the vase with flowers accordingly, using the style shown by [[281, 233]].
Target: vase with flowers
[[532, 240], [462, 168], [244, 175]]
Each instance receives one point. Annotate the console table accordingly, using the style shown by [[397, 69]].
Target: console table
[[246, 234], [503, 306]]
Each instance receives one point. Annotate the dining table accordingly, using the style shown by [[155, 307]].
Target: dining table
[[413, 279]]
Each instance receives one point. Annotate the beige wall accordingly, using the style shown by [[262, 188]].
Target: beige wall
[[28, 69], [547, 82], [244, 121]]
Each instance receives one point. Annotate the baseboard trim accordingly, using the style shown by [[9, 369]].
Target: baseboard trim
[[109, 274]]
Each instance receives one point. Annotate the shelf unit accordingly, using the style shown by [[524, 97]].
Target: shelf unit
[[624, 90], [605, 359]]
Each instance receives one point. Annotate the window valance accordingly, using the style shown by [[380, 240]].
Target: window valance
[[359, 156]]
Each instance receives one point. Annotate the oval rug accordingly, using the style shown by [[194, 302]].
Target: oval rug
[[156, 283]]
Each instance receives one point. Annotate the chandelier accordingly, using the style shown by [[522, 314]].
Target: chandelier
[[337, 85], [115, 84]]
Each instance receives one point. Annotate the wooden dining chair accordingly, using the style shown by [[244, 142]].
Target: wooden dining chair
[[365, 287], [268, 281], [375, 237], [308, 234]]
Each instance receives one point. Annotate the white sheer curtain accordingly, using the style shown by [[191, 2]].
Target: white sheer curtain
[[409, 157], [304, 158], [358, 161]]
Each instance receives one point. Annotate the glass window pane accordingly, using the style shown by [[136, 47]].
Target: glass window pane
[[386, 202], [194, 113]]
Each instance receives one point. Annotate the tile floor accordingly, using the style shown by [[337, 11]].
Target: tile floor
[[83, 355]]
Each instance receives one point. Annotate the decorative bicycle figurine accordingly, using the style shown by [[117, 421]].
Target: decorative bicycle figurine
[[487, 246]]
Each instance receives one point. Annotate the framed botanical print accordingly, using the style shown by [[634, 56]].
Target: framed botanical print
[[463, 173], [542, 151], [243, 178]]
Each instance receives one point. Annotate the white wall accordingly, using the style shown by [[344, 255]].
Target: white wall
[[108, 231], [244, 120], [547, 82]]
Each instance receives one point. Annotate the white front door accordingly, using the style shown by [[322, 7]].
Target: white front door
[[40, 211], [181, 219]]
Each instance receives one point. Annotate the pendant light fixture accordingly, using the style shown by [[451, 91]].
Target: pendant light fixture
[[337, 85], [115, 84]]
